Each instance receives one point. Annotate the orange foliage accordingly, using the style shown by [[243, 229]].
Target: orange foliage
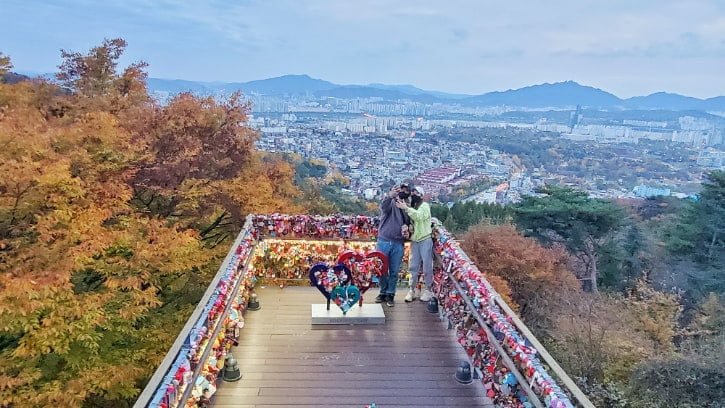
[[538, 277], [104, 200]]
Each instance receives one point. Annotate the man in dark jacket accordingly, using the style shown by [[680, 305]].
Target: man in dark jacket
[[391, 240]]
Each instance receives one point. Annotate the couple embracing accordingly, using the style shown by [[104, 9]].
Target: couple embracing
[[398, 214]]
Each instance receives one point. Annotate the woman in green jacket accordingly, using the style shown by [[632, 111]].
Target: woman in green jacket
[[421, 248]]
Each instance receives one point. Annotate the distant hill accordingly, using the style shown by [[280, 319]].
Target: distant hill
[[549, 95], [286, 85], [715, 104], [664, 100], [13, 78], [175, 86], [412, 90], [560, 94]]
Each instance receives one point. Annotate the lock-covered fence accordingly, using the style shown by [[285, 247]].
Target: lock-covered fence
[[512, 365], [507, 358]]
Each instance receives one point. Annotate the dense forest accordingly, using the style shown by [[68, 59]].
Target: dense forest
[[115, 213], [628, 296]]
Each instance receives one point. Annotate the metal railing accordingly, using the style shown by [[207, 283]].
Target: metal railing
[[166, 388]]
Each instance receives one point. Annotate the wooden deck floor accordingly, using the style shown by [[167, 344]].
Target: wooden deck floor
[[286, 362]]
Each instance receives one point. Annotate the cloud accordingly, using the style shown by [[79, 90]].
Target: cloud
[[460, 46]]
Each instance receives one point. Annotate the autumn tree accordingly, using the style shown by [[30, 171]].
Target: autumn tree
[[571, 218], [693, 377], [106, 204], [95, 82], [601, 339], [203, 170], [80, 269], [538, 277]]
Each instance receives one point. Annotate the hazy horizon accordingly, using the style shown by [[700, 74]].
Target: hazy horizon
[[466, 47]]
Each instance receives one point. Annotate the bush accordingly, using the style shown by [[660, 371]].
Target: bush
[[695, 380]]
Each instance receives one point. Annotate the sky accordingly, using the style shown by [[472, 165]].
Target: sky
[[626, 47]]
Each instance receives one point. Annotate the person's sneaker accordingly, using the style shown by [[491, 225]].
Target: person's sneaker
[[426, 295], [381, 298], [390, 301]]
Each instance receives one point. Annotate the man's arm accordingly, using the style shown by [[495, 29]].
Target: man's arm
[[387, 204]]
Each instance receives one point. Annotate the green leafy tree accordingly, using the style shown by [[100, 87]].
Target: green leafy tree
[[439, 211], [571, 218], [700, 230], [696, 241], [626, 258], [462, 216]]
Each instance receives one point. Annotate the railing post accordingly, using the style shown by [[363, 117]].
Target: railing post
[[581, 398]]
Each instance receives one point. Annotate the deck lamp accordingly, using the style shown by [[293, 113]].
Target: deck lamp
[[432, 306], [231, 369], [463, 373], [253, 303]]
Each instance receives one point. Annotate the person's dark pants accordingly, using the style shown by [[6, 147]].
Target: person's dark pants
[[394, 252]]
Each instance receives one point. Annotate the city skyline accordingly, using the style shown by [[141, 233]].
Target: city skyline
[[458, 47]]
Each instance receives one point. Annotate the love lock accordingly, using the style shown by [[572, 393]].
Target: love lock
[[364, 267], [335, 284], [345, 297]]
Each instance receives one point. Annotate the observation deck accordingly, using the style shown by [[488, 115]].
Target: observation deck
[[410, 361]]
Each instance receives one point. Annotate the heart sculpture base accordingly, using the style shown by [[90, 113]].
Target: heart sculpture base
[[368, 313]]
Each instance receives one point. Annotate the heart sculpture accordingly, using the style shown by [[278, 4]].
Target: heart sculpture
[[335, 284], [345, 297], [363, 267]]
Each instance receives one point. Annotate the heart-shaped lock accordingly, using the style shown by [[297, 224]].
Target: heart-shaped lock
[[364, 267], [345, 297], [326, 279], [335, 284]]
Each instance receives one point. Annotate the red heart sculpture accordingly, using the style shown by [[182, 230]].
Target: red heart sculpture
[[363, 267]]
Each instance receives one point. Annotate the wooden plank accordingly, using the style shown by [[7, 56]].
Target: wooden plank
[[350, 380], [286, 362], [382, 401]]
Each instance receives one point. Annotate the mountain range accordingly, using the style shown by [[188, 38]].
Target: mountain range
[[548, 95]]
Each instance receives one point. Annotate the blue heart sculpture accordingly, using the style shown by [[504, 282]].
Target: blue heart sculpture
[[334, 284]]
